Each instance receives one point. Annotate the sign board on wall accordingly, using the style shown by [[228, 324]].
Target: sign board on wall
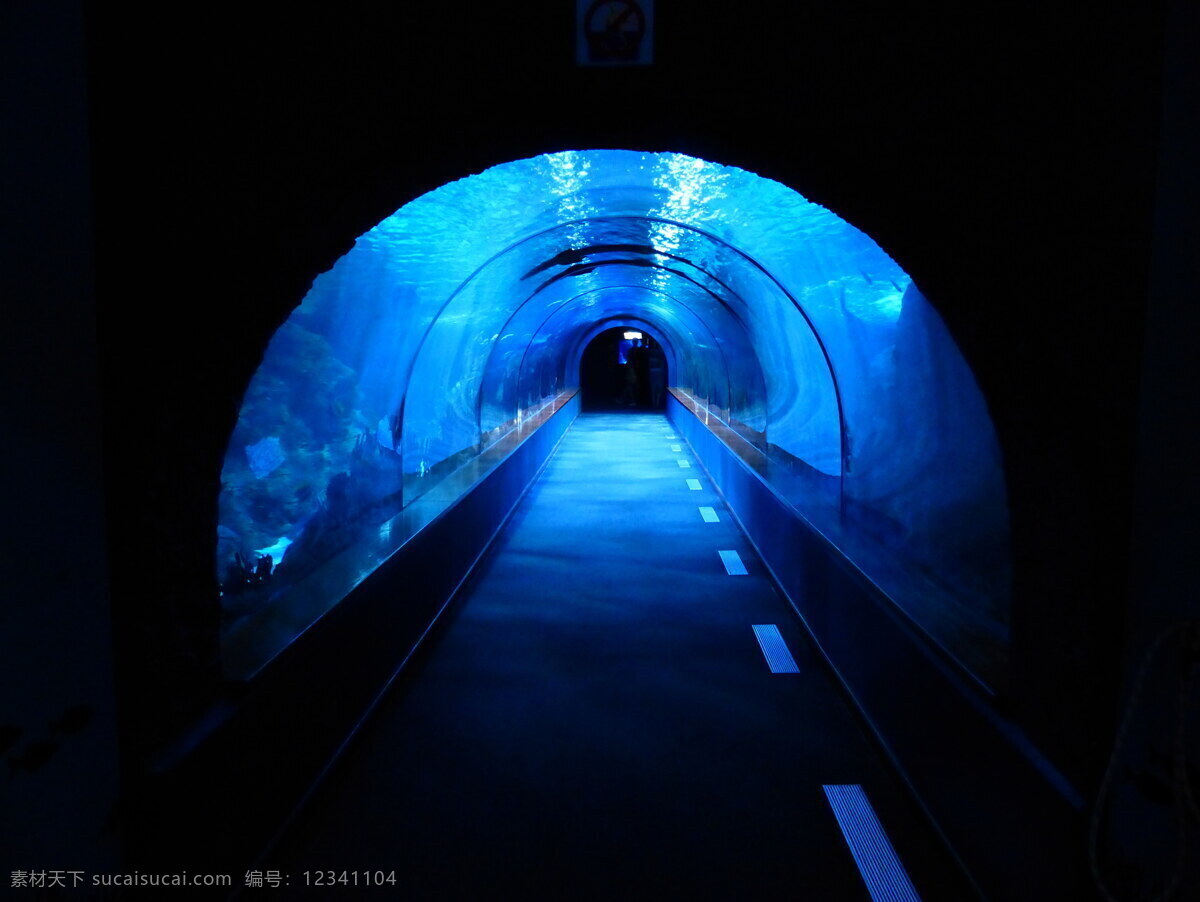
[[614, 32]]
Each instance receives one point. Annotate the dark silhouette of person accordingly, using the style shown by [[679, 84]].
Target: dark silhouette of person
[[656, 376], [630, 394]]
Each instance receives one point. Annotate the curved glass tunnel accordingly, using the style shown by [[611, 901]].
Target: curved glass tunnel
[[467, 312]]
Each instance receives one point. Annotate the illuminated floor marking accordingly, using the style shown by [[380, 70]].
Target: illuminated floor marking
[[733, 563], [694, 485], [684, 464], [774, 649], [709, 515], [881, 870], [676, 448]]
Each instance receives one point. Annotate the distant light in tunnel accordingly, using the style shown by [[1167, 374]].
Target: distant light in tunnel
[[633, 336]]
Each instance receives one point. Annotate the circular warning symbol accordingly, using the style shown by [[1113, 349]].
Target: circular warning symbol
[[614, 30]]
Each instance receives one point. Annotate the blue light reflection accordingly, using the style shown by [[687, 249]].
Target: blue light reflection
[[462, 313]]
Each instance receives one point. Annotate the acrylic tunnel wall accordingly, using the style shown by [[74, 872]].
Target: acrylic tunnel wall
[[461, 316]]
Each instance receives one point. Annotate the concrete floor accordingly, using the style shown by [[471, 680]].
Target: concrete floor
[[597, 721]]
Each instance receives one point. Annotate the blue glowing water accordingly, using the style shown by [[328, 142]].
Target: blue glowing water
[[471, 305]]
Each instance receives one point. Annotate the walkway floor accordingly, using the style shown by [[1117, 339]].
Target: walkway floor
[[598, 721]]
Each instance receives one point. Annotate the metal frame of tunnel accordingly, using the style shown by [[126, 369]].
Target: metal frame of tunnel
[[740, 254]]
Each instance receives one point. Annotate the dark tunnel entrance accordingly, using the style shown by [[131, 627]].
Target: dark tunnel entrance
[[623, 369]]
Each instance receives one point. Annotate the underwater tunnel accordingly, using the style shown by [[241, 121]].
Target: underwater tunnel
[[215, 576], [464, 314], [426, 380]]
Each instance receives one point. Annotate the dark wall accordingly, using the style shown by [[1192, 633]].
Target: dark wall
[[58, 799], [1004, 156], [1165, 581]]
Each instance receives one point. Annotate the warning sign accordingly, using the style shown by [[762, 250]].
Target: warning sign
[[614, 32]]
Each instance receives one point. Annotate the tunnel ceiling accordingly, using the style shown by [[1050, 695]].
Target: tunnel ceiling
[[478, 266], [467, 309]]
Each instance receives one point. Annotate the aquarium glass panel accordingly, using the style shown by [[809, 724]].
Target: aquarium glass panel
[[468, 310]]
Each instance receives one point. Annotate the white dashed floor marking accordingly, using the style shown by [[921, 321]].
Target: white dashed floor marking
[[881, 870], [733, 563], [774, 649]]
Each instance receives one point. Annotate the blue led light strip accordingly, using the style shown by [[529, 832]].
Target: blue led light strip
[[774, 649], [881, 870]]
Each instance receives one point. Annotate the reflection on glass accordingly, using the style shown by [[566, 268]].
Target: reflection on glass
[[468, 312]]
